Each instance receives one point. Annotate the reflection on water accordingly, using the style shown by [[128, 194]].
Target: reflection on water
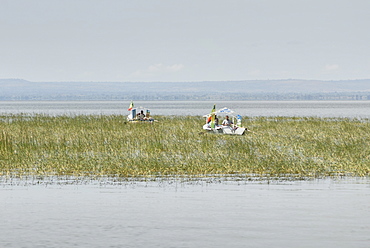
[[351, 109], [317, 213]]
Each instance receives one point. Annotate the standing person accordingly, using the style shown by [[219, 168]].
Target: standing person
[[227, 121]]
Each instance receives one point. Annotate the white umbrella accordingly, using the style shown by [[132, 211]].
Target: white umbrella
[[225, 111]]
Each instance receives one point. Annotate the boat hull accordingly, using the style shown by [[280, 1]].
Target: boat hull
[[225, 130]]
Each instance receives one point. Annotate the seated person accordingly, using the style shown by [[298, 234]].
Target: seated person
[[141, 115], [227, 121]]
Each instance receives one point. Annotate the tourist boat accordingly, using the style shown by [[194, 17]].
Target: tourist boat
[[139, 114], [233, 127]]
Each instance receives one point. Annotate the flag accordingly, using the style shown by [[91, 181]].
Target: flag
[[131, 106], [213, 115]]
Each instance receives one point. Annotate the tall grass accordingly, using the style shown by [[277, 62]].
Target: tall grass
[[109, 146]]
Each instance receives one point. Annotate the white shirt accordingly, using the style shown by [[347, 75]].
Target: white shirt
[[227, 122]]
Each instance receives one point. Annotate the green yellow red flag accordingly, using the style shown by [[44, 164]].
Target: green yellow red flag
[[213, 116], [131, 106]]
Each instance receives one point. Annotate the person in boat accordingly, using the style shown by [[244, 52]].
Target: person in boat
[[141, 115], [227, 121]]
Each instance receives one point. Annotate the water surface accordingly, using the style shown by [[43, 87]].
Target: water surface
[[350, 109], [319, 213]]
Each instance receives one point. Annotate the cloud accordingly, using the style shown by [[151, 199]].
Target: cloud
[[330, 68], [158, 70], [165, 68]]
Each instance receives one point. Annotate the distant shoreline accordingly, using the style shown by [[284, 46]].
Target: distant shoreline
[[243, 90], [348, 96]]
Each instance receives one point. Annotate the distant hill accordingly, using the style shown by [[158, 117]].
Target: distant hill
[[19, 89]]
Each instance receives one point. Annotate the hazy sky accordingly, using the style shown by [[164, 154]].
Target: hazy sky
[[184, 40]]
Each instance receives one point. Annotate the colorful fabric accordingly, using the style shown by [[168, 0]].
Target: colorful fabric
[[131, 106], [213, 116]]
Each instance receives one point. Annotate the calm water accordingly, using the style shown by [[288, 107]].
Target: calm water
[[320, 213], [351, 109]]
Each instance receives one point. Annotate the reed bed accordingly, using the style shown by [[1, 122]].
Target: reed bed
[[98, 146]]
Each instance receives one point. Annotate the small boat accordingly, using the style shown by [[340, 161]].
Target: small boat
[[231, 126], [139, 114]]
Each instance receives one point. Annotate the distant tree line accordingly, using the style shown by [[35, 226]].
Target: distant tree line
[[350, 96]]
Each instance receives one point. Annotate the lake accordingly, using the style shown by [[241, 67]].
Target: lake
[[330, 213], [350, 109], [173, 213]]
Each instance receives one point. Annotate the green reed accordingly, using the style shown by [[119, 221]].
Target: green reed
[[110, 146]]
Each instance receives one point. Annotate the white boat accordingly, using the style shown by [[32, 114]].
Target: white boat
[[139, 114], [228, 126]]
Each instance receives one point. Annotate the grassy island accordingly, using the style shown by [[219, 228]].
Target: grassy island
[[87, 145]]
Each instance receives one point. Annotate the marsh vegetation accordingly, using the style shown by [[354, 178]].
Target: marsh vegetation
[[106, 145]]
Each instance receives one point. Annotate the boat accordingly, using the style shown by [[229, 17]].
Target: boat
[[229, 126], [139, 114]]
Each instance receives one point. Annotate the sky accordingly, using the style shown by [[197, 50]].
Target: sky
[[184, 40]]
